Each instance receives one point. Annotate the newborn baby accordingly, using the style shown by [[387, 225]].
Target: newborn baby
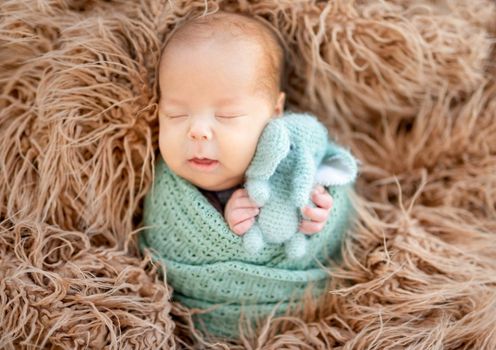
[[220, 85], [220, 82]]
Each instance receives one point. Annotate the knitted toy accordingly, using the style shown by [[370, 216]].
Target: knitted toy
[[281, 176]]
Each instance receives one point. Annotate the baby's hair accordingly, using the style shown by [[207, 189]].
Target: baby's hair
[[240, 26]]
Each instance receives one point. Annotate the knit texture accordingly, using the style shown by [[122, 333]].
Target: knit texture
[[207, 264], [281, 176]]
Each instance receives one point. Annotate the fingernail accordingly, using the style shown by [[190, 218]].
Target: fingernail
[[303, 213]]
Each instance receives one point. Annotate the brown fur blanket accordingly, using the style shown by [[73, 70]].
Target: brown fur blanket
[[408, 86]]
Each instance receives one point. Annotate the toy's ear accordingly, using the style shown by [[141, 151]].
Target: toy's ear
[[339, 168], [273, 146]]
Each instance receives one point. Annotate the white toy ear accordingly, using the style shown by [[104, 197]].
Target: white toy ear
[[336, 170]]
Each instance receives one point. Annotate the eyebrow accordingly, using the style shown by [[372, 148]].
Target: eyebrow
[[222, 102], [172, 101], [227, 101]]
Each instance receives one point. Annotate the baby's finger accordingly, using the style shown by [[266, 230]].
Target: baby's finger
[[242, 193], [245, 202], [241, 214], [322, 200], [319, 189], [310, 227], [239, 193], [315, 214], [241, 227]]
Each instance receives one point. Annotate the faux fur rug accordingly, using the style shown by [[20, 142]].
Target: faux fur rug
[[408, 86]]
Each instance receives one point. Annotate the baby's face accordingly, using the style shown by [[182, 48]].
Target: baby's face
[[211, 106]]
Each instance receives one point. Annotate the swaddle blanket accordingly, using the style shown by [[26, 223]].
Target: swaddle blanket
[[207, 264]]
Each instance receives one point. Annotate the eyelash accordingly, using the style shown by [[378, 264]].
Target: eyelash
[[218, 116], [228, 116]]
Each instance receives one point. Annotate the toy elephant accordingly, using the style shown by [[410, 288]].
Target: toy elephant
[[293, 154]]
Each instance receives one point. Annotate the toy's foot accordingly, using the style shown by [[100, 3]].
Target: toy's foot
[[278, 224], [258, 190], [296, 247], [253, 240]]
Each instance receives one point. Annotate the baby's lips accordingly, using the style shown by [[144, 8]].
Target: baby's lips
[[203, 159]]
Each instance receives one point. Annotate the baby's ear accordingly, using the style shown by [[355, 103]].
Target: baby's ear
[[279, 108]]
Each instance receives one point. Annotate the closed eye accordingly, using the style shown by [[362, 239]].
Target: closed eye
[[229, 116]]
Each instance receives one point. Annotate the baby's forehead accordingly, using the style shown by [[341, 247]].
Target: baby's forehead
[[231, 29], [220, 25], [225, 33]]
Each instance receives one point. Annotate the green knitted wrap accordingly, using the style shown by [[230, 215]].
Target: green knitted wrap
[[206, 263]]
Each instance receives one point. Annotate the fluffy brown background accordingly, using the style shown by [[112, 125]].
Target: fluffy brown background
[[408, 86]]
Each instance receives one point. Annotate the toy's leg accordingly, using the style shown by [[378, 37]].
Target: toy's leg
[[253, 240], [296, 247], [278, 221]]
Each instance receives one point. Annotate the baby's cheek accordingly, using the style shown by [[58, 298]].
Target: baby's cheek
[[170, 148], [238, 151]]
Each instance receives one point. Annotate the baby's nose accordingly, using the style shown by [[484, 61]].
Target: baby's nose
[[200, 133]]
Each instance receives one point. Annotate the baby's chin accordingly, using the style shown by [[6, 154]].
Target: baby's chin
[[212, 182], [217, 186]]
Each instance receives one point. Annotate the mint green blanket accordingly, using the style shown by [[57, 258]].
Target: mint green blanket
[[206, 263]]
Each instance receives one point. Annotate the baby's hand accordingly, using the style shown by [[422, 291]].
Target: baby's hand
[[317, 216], [240, 212]]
